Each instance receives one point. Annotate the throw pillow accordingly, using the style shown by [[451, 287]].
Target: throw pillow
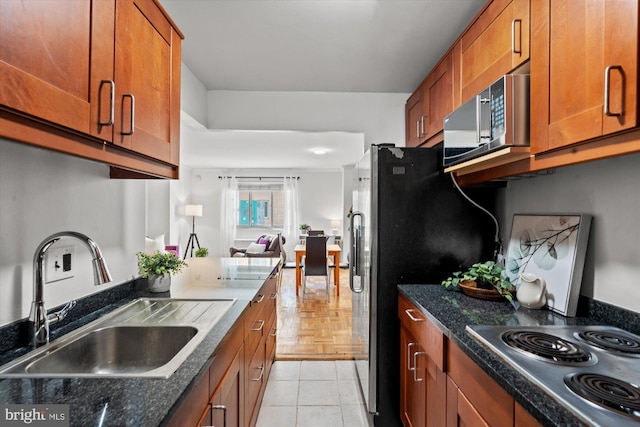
[[153, 245], [264, 241], [255, 248]]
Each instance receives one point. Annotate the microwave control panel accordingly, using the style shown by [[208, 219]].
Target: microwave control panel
[[497, 110]]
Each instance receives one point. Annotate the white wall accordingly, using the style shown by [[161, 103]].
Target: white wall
[[206, 190], [43, 192], [157, 219], [193, 96], [379, 115], [179, 196], [320, 198], [610, 191]]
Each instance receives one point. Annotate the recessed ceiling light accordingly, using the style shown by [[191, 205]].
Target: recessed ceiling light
[[319, 151]]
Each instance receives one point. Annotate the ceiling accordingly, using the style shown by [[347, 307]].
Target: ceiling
[[315, 45], [248, 149]]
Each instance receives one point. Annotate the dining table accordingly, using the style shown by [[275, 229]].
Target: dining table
[[333, 250]]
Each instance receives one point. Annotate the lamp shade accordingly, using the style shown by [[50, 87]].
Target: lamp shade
[[193, 210]]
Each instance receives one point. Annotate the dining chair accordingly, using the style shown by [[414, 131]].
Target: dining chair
[[315, 233], [315, 262]]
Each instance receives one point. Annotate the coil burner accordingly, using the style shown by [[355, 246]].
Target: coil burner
[[608, 392], [593, 371], [617, 342], [548, 347]]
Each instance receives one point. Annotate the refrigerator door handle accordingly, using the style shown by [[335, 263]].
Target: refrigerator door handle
[[356, 243]]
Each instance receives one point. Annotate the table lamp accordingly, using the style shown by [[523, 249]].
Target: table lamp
[[335, 225]]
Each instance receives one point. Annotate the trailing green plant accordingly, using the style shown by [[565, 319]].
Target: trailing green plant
[[489, 272], [159, 264], [202, 252]]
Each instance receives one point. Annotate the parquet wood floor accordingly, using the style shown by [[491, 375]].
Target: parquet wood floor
[[314, 329]]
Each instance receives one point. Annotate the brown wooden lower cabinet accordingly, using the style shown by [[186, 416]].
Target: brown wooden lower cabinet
[[461, 394], [525, 419], [412, 391], [227, 403], [460, 411], [190, 413], [490, 400], [423, 382], [230, 394]]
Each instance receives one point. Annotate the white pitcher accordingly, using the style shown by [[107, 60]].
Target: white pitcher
[[532, 292]]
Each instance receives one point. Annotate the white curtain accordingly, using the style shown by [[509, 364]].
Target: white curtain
[[229, 206], [290, 231]]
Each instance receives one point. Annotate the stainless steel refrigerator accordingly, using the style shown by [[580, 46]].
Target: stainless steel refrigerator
[[409, 225]]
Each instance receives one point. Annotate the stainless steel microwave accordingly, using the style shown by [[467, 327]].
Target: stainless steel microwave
[[497, 117]]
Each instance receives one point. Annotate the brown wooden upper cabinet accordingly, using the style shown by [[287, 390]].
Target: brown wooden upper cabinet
[[584, 70], [85, 77], [414, 118], [496, 43], [147, 77], [429, 104], [47, 66]]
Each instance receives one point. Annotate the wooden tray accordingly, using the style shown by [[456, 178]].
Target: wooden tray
[[469, 287]]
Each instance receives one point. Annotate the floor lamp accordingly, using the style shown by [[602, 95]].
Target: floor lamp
[[192, 211]]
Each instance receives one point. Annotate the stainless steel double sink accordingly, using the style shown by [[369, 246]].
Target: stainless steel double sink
[[145, 338]]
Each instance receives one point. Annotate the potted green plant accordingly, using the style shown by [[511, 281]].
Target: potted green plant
[[486, 275], [305, 227], [158, 268], [202, 252]]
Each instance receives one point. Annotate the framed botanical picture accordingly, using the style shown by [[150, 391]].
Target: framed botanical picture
[[552, 247]]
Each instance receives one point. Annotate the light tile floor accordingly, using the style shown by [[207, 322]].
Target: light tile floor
[[312, 393]]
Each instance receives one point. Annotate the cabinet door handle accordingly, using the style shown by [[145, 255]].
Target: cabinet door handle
[[112, 102], [422, 132], [132, 116], [275, 332], [411, 344], [607, 89], [417, 128], [261, 374], [415, 366], [259, 300], [259, 328], [273, 296], [513, 36], [411, 316], [224, 413]]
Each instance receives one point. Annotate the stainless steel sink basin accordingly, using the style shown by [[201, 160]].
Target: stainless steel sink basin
[[116, 349], [146, 338]]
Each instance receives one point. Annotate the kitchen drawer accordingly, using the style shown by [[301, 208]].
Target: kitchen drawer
[[424, 330], [225, 355], [255, 379], [493, 404], [254, 324], [271, 295], [271, 331]]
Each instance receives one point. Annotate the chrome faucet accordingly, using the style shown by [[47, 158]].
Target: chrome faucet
[[38, 318]]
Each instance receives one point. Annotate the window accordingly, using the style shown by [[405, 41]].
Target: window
[[261, 205]]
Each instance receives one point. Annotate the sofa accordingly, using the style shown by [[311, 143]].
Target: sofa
[[265, 246]]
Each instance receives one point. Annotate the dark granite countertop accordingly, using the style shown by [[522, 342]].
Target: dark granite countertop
[[452, 311], [123, 401], [126, 401]]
